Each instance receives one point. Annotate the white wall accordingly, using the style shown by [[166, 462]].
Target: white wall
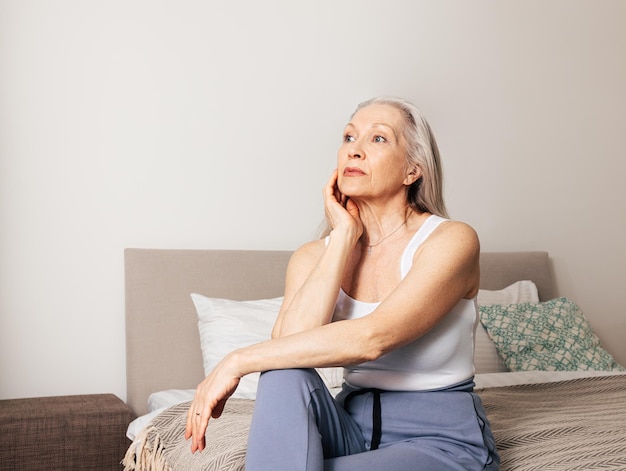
[[205, 124]]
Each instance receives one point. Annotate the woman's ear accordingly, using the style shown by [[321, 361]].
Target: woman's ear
[[413, 176]]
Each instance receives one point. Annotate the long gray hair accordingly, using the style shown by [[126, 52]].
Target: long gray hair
[[426, 193]]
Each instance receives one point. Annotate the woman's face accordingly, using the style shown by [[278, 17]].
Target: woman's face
[[371, 160]]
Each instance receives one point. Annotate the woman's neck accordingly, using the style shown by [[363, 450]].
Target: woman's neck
[[380, 225]]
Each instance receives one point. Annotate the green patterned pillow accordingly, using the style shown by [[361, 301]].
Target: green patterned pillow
[[553, 335]]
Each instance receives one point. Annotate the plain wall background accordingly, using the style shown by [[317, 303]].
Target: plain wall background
[[206, 124]]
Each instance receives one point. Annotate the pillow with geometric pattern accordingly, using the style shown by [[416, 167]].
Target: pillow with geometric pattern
[[551, 336]]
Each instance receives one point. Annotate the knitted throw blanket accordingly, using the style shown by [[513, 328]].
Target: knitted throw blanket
[[566, 426], [162, 446]]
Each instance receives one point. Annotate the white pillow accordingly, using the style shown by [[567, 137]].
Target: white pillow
[[524, 291], [486, 358], [157, 403], [226, 325]]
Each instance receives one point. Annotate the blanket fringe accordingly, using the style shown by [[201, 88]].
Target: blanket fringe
[[146, 453]]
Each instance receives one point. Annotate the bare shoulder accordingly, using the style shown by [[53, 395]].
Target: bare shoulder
[[457, 233], [304, 259], [451, 252], [454, 241], [308, 253]]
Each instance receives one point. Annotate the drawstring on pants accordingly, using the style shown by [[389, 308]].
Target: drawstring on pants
[[376, 413]]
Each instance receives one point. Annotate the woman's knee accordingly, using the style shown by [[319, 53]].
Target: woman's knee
[[305, 379]]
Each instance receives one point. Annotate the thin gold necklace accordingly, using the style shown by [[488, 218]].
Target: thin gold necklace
[[369, 247]]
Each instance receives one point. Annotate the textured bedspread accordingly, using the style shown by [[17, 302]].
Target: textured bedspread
[[570, 425], [163, 446]]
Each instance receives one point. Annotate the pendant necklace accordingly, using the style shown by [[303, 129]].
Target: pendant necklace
[[369, 247]]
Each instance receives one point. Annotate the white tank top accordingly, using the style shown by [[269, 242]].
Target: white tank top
[[440, 358]]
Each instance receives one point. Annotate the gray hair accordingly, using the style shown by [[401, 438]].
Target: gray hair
[[426, 193]]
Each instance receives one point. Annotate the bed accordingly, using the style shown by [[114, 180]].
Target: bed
[[574, 418]]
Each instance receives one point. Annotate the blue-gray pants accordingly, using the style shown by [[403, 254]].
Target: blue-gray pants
[[298, 425]]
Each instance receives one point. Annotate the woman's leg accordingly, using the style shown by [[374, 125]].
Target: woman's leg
[[427, 431], [297, 424], [404, 456]]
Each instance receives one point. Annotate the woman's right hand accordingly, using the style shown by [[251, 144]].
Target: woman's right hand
[[341, 212], [210, 399]]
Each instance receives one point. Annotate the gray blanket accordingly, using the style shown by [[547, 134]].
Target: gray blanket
[[570, 425]]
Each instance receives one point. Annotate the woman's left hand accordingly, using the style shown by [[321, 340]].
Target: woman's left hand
[[341, 212], [209, 401]]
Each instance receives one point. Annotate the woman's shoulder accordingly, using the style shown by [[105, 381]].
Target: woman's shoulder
[[308, 253], [452, 248], [454, 236], [312, 247], [452, 228]]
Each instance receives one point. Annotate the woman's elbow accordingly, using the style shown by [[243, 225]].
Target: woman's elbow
[[374, 344], [283, 329], [276, 331]]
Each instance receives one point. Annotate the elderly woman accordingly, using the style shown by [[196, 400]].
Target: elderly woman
[[389, 295]]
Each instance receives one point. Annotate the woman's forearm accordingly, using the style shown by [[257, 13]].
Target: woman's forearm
[[328, 345], [312, 305], [337, 344]]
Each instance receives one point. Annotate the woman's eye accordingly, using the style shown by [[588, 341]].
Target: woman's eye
[[348, 138], [379, 139]]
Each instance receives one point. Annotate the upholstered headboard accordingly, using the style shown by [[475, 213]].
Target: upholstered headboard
[[162, 341]]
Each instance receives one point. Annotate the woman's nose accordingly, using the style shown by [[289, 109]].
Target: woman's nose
[[355, 152]]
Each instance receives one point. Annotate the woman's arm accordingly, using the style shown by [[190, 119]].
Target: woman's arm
[[312, 283], [445, 269], [316, 270]]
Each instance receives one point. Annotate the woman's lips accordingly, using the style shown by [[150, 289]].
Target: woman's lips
[[353, 172]]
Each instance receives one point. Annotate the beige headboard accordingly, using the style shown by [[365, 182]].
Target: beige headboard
[[162, 342]]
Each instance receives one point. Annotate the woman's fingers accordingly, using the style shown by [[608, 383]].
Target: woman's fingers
[[188, 425], [340, 210], [197, 423], [331, 191], [334, 200], [209, 401], [198, 442], [198, 416]]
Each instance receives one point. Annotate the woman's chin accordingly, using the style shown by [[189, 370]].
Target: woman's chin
[[350, 189]]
